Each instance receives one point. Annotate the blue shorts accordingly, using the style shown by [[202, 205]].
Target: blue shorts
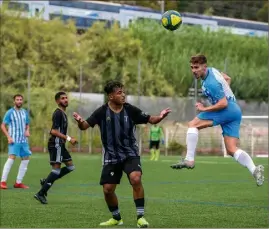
[[19, 149], [229, 119]]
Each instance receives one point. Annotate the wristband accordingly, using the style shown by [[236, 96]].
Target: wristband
[[68, 138]]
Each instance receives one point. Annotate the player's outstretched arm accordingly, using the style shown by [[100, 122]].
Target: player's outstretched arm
[[82, 124], [157, 119]]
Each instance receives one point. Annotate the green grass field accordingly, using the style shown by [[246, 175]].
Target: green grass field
[[217, 193]]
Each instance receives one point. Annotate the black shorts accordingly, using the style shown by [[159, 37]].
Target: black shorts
[[112, 173], [155, 144], [59, 154]]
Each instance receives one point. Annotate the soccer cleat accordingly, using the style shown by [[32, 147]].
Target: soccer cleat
[[3, 185], [21, 185], [142, 223], [258, 175], [111, 222], [42, 199], [42, 182], [183, 164]]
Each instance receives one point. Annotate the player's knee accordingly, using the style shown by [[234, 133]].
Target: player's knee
[[231, 150], [193, 123], [70, 168], [56, 171], [108, 189], [135, 179], [13, 157]]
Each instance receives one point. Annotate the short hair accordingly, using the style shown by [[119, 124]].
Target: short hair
[[58, 95], [17, 95], [198, 59], [111, 86]]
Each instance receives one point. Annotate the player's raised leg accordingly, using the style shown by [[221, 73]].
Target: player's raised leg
[[64, 171], [52, 177], [57, 172], [191, 140]]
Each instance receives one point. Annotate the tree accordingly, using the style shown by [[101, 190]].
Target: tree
[[262, 14]]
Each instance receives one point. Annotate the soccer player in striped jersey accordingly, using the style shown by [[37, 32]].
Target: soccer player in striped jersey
[[223, 111], [17, 120], [56, 147], [117, 121]]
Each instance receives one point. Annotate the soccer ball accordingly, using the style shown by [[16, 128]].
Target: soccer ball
[[171, 20]]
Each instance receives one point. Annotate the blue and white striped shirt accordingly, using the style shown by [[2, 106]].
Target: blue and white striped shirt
[[17, 121], [215, 87]]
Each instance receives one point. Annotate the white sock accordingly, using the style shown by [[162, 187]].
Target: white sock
[[191, 141], [6, 169], [22, 170], [244, 159]]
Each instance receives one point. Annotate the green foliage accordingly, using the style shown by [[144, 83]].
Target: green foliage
[[169, 53]]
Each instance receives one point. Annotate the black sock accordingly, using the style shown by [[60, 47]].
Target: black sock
[[48, 183], [63, 172], [139, 203], [115, 212]]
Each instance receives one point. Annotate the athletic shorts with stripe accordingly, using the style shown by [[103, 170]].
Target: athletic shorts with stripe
[[59, 154], [112, 173]]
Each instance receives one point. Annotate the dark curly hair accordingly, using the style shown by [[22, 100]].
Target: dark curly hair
[[112, 85]]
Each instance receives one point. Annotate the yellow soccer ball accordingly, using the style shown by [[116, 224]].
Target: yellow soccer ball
[[171, 20]]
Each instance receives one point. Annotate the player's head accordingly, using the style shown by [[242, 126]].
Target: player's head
[[61, 99], [18, 100], [198, 65], [115, 92]]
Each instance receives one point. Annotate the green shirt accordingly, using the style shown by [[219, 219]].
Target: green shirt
[[156, 133]]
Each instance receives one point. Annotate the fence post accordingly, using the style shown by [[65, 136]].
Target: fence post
[[166, 141], [28, 88], [80, 104], [225, 65], [252, 142], [45, 141], [90, 140]]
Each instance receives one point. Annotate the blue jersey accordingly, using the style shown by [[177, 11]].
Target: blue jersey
[[215, 87], [17, 121]]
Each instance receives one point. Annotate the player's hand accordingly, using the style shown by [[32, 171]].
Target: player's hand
[[73, 141], [165, 112], [27, 133], [163, 141], [77, 117], [10, 140], [199, 107]]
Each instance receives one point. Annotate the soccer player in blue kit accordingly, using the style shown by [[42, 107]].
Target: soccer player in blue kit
[[223, 111]]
